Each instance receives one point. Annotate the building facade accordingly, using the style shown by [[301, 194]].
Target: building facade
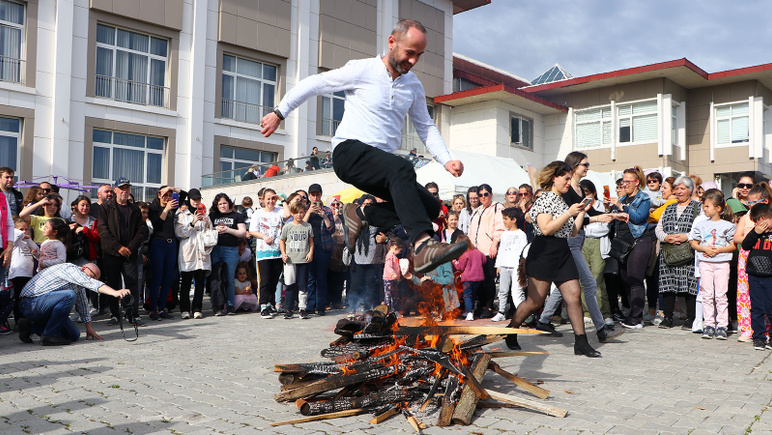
[[165, 91]]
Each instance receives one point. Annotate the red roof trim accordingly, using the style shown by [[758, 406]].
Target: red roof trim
[[740, 71], [485, 75], [497, 88], [619, 73]]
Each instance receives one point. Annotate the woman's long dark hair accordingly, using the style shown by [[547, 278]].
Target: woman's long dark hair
[[474, 189], [217, 199], [62, 230]]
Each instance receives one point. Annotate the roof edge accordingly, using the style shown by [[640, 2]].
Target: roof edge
[[497, 88]]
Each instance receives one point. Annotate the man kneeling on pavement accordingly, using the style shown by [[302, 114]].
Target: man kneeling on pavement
[[48, 298]]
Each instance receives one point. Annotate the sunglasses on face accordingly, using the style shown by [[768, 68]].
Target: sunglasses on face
[[485, 194], [755, 202], [46, 190], [744, 186], [437, 194], [651, 181], [512, 193], [586, 164], [524, 194]]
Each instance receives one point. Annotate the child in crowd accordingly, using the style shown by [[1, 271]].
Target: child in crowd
[[759, 267], [470, 264], [54, 249], [451, 233], [297, 250], [22, 267], [246, 300], [511, 245], [392, 274], [712, 239]]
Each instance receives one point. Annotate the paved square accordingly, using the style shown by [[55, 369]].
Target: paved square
[[216, 376]]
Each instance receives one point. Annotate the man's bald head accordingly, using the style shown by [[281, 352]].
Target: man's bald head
[[92, 270]]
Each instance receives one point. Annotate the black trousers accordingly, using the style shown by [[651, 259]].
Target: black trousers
[[633, 274], [198, 293], [114, 268], [486, 293], [668, 305], [391, 178], [270, 272]]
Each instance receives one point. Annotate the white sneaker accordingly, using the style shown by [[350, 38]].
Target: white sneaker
[[657, 319], [185, 315], [93, 311], [198, 315], [498, 317], [608, 321], [649, 318], [626, 326], [588, 320], [697, 327], [470, 317]]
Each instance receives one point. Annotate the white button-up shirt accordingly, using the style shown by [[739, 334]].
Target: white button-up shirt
[[375, 105]]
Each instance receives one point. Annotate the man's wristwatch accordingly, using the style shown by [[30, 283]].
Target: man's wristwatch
[[278, 113]]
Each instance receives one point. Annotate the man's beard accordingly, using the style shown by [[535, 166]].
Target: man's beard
[[396, 66]]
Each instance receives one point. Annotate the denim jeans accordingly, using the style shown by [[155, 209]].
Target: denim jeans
[[760, 291], [50, 314], [230, 256], [163, 267], [589, 286], [470, 292], [317, 280]]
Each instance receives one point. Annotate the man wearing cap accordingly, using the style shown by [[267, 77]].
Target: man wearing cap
[[322, 222], [380, 92], [121, 230], [48, 298]]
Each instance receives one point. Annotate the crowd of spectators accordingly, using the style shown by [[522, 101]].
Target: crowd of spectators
[[642, 255]]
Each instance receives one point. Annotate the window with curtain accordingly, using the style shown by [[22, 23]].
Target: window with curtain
[[410, 138], [10, 138], [136, 157], [232, 158], [332, 112], [593, 127], [248, 88], [520, 131], [637, 122], [131, 66], [732, 123], [12, 17]]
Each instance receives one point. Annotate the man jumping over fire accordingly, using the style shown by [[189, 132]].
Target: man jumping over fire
[[380, 91]]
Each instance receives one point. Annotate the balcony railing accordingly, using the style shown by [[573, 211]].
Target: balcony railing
[[132, 92], [287, 168], [244, 112], [329, 126], [12, 70]]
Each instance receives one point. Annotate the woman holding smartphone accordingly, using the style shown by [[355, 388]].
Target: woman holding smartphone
[[163, 250], [194, 258]]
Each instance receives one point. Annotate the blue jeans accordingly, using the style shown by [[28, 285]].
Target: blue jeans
[[760, 291], [317, 280], [50, 314], [163, 267], [470, 291], [230, 256]]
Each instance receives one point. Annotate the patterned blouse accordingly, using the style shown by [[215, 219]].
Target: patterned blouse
[[552, 204]]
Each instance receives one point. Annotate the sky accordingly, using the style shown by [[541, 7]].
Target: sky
[[592, 36]]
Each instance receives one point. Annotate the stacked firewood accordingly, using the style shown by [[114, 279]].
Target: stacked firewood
[[381, 367]]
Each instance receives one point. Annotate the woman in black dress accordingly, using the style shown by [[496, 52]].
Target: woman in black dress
[[549, 259]]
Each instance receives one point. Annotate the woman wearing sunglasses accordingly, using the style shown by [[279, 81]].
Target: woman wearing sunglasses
[[739, 200], [573, 195]]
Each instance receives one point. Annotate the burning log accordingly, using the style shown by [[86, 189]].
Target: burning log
[[345, 403], [448, 403], [333, 383], [468, 401]]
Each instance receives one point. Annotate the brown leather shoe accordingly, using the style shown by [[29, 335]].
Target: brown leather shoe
[[352, 225], [432, 253]]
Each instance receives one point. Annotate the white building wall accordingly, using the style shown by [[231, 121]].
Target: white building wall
[[61, 106]]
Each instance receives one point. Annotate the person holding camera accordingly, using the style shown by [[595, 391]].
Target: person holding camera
[[163, 250], [323, 223], [121, 233], [48, 298], [195, 257]]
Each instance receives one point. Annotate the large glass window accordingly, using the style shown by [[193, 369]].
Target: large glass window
[[593, 127], [136, 157], [232, 158], [410, 138], [637, 122], [131, 66], [732, 123], [520, 131], [332, 112], [11, 41], [10, 138], [248, 89]]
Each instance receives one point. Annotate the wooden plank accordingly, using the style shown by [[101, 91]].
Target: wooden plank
[[468, 401], [339, 414], [474, 384], [530, 404], [333, 383], [466, 330], [539, 392], [448, 405], [380, 418], [511, 354]]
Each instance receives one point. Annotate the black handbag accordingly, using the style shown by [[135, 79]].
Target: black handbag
[[79, 247], [759, 265], [677, 255], [620, 249]]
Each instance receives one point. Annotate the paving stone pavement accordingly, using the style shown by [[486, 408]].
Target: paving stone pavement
[[216, 376]]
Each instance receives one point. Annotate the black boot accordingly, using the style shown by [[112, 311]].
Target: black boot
[[582, 347], [511, 341]]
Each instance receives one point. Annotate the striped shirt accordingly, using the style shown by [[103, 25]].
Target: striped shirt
[[61, 277]]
